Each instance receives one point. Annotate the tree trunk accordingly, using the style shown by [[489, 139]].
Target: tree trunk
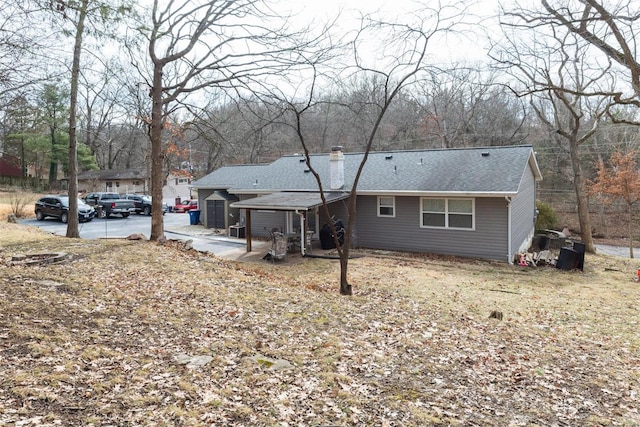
[[630, 226], [23, 162], [584, 218], [53, 165], [155, 135], [345, 287], [72, 225]]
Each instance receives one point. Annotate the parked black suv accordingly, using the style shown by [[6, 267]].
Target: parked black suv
[[142, 203], [58, 207]]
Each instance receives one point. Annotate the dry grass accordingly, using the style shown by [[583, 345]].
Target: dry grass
[[414, 346], [16, 201]]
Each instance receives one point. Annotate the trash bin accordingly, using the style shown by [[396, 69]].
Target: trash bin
[[542, 242], [580, 249], [326, 239], [194, 217], [568, 259]]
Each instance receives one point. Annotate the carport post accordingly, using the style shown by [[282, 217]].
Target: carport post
[[248, 230]]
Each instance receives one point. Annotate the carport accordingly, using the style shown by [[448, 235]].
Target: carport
[[299, 202]]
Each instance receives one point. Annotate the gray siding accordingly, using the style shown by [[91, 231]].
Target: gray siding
[[522, 213], [263, 222], [489, 240]]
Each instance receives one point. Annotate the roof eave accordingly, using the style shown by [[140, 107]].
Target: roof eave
[[533, 162], [439, 193], [272, 208]]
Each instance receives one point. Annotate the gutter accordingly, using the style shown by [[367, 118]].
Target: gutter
[[509, 248], [438, 193], [303, 232]]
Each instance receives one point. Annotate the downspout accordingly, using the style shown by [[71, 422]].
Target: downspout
[[509, 247], [303, 232]]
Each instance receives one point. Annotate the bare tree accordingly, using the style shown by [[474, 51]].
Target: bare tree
[[610, 28], [199, 44], [329, 124], [568, 92], [101, 92], [79, 24], [243, 131], [467, 107], [82, 16], [20, 60], [406, 47]]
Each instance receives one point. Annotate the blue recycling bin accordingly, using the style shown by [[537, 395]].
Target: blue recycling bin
[[194, 217]]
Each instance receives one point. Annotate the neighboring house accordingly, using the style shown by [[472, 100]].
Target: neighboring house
[[177, 187], [120, 181], [10, 166], [469, 202], [11, 173]]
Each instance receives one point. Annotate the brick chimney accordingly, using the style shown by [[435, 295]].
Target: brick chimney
[[336, 168]]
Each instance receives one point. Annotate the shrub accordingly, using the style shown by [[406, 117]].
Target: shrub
[[547, 217], [19, 200]]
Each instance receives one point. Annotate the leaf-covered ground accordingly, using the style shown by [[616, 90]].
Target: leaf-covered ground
[[100, 340]]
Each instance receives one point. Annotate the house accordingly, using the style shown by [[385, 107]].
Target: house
[[120, 181], [177, 187], [469, 202], [10, 166]]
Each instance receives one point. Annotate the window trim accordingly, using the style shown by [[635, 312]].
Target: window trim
[[447, 213], [393, 206]]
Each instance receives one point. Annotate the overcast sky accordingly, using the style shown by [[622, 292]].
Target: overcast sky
[[471, 47]]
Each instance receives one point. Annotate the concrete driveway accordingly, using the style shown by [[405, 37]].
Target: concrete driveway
[[176, 225], [621, 251]]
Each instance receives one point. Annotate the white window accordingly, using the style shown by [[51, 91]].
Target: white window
[[447, 213], [387, 206]]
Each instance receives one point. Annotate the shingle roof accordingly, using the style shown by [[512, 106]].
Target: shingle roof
[[488, 170], [289, 200], [236, 176]]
